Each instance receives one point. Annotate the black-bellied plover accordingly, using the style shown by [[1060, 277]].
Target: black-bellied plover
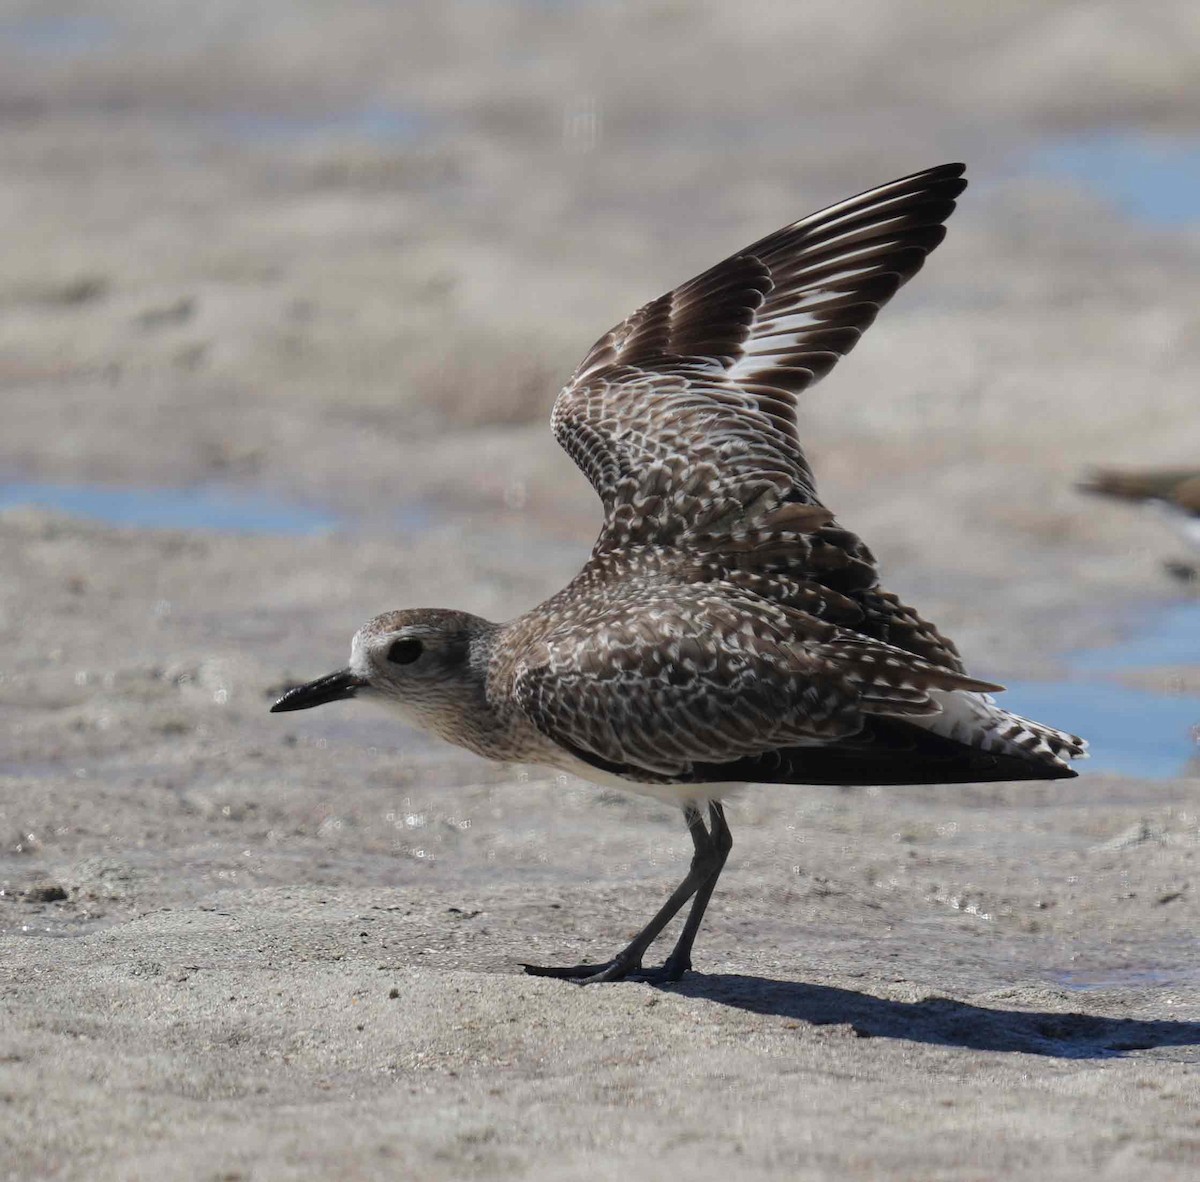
[[726, 630], [1175, 493]]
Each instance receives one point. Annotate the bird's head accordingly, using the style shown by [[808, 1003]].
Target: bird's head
[[421, 661]]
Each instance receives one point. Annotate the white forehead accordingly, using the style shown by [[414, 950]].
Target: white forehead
[[359, 664]]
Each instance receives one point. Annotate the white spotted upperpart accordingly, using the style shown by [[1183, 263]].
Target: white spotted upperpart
[[726, 629]]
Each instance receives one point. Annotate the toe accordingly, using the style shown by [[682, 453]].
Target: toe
[[574, 972], [586, 974]]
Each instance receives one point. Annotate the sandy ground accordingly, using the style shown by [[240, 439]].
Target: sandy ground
[[245, 947]]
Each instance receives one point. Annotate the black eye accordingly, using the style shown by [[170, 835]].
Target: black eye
[[404, 652]]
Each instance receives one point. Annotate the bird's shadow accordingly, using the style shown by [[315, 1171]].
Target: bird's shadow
[[941, 1021]]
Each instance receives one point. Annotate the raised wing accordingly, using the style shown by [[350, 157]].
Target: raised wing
[[684, 415]]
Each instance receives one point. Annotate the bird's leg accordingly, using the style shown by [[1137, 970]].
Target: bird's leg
[[680, 960], [702, 874]]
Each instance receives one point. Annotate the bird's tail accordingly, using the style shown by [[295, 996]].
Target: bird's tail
[[977, 720]]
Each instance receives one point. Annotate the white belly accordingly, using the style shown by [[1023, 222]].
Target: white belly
[[676, 794]]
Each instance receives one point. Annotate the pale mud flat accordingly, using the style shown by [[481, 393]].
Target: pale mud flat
[[243, 947]]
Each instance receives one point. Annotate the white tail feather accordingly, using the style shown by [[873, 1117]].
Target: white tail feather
[[978, 721]]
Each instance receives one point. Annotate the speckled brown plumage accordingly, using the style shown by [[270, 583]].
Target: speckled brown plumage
[[724, 613], [726, 628]]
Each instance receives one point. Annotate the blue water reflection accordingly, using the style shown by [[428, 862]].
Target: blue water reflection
[[1131, 732], [1152, 177], [200, 507], [1172, 637]]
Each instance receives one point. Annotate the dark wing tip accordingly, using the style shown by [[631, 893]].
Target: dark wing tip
[[946, 180], [948, 172], [763, 324]]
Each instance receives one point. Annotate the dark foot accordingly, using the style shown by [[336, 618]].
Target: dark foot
[[1183, 571], [614, 970], [674, 969], [585, 974]]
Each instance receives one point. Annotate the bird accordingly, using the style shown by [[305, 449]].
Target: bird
[[1175, 493], [726, 630]]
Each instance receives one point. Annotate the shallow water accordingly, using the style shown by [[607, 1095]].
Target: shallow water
[[1172, 637], [202, 507], [1130, 732], [1093, 980], [1151, 177]]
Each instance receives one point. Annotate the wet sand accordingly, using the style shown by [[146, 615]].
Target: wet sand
[[238, 946]]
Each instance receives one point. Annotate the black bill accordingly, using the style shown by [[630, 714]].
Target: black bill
[[332, 688]]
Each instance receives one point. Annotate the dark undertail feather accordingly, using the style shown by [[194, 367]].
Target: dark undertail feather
[[887, 751]]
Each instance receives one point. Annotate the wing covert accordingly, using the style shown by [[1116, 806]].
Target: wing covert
[[683, 676]]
